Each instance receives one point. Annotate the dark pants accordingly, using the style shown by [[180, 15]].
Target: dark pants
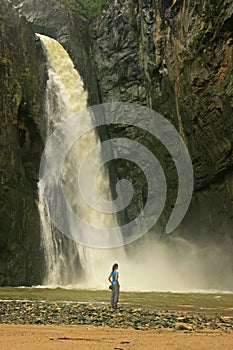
[[114, 295]]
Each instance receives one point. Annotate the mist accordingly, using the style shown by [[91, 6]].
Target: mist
[[173, 264]]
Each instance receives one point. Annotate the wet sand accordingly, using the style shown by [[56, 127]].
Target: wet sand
[[50, 337]]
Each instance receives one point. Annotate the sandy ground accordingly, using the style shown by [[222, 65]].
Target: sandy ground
[[35, 337]]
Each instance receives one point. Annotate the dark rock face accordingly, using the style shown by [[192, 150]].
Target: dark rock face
[[172, 56], [70, 29], [176, 58], [22, 72]]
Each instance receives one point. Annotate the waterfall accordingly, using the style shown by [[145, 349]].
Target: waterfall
[[67, 262], [174, 265]]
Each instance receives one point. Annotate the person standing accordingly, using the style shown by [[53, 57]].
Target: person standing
[[114, 280]]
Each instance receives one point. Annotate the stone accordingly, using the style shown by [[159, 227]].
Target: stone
[[136, 52], [23, 77]]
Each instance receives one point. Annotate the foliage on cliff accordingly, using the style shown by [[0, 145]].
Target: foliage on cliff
[[88, 8]]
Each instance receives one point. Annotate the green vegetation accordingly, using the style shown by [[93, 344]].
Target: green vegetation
[[211, 303], [5, 61], [89, 8], [26, 74]]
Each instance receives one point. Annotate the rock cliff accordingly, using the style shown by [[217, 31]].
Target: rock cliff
[[68, 27], [22, 74], [177, 58]]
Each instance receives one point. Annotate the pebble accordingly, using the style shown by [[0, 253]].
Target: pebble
[[22, 312]]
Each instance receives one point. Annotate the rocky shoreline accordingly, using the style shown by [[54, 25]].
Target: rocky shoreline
[[70, 313]]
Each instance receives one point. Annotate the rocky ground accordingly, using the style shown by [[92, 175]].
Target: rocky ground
[[70, 313]]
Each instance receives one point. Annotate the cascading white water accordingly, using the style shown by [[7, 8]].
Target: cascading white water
[[178, 265], [66, 97]]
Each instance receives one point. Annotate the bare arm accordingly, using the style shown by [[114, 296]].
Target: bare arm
[[109, 278]]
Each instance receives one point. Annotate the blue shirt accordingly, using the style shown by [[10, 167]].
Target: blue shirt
[[113, 275]]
